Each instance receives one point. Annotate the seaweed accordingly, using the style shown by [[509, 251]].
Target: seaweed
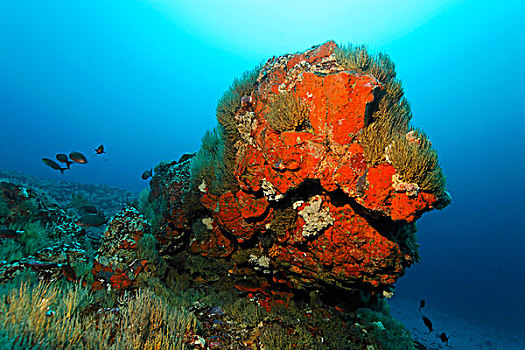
[[287, 113], [226, 151], [390, 113], [50, 316], [416, 161], [384, 331], [33, 237], [230, 102], [4, 210], [152, 209], [244, 311], [385, 137], [208, 164]]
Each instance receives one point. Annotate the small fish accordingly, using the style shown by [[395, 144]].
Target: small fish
[[91, 220], [53, 165], [100, 149], [88, 209], [344, 307], [147, 174], [68, 271], [247, 286], [419, 346], [443, 338], [428, 323], [421, 304], [61, 157], [78, 157]]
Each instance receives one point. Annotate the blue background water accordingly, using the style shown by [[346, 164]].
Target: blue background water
[[143, 78]]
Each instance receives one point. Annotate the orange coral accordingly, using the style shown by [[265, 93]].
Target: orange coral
[[321, 162]]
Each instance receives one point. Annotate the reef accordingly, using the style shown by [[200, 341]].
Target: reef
[[313, 178], [288, 228], [118, 263], [36, 234]]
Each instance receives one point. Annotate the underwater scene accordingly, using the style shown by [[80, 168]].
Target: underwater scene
[[262, 175]]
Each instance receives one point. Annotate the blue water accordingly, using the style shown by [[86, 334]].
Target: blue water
[[143, 78]]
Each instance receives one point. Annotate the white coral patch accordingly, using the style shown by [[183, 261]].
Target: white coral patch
[[245, 125], [269, 191], [388, 149], [202, 187], [316, 217], [388, 295], [297, 204], [208, 223], [260, 263]]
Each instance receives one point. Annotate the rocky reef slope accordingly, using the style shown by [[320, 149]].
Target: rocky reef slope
[[288, 228], [313, 178]]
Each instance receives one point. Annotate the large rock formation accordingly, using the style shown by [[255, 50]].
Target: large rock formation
[[117, 263], [313, 178]]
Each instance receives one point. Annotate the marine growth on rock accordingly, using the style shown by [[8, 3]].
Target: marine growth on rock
[[313, 169]]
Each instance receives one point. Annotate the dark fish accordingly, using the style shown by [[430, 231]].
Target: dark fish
[[100, 149], [443, 338], [68, 271], [53, 165], [8, 233], [88, 209], [147, 174], [185, 157], [361, 184], [78, 157], [248, 286], [91, 220], [61, 157], [419, 346], [344, 307], [428, 323], [421, 304]]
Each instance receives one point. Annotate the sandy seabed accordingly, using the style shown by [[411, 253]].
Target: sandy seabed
[[462, 334]]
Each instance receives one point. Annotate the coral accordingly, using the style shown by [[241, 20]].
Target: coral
[[316, 217], [390, 113], [26, 206], [151, 209], [287, 113], [117, 263], [385, 332], [208, 165], [78, 200], [237, 96], [30, 237], [297, 192], [34, 236], [172, 201], [231, 101], [416, 161], [39, 236], [312, 146], [51, 263], [4, 209]]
